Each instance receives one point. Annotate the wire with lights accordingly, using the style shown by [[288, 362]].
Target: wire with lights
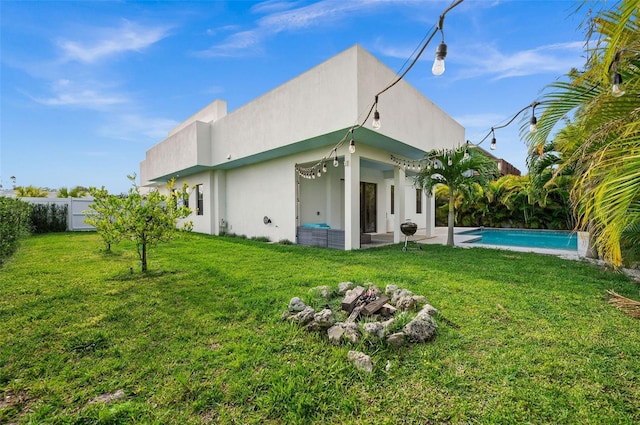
[[316, 170]]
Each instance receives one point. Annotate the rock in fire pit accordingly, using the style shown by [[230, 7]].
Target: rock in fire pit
[[395, 317]]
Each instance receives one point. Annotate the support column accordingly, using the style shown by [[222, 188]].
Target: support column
[[351, 201], [400, 202], [430, 213], [219, 202]]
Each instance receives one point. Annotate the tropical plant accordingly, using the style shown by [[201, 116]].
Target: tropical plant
[[601, 142], [30, 192], [76, 192], [458, 169]]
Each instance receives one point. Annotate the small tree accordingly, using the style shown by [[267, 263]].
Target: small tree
[[145, 219], [153, 218], [103, 215], [457, 169]]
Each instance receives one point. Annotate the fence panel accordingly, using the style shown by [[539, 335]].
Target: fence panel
[[76, 208]]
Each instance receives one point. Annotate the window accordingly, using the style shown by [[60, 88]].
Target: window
[[392, 199], [185, 200], [200, 199], [418, 201]]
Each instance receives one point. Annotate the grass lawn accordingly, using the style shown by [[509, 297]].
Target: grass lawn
[[522, 338]]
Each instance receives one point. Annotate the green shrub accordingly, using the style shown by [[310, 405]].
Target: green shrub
[[46, 218], [15, 224]]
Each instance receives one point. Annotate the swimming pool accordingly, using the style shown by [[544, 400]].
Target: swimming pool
[[549, 239]]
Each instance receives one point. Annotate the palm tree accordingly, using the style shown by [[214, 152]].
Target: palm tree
[[601, 142], [457, 169]]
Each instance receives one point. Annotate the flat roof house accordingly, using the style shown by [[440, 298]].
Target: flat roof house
[[247, 167]]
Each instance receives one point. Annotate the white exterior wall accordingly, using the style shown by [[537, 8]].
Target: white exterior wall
[[265, 189], [201, 223]]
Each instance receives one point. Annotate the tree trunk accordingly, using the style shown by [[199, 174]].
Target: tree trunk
[[144, 257], [450, 220]]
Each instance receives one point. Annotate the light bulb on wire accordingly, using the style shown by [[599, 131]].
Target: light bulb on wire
[[376, 116], [352, 143], [493, 140], [324, 167], [533, 124], [438, 63], [616, 87], [335, 161]]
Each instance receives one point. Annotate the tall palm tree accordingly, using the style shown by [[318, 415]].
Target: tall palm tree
[[601, 142], [457, 169]]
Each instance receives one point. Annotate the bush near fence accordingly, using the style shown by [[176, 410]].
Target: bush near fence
[[47, 218], [15, 224]]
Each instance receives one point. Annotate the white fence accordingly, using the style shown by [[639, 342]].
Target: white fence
[[76, 210]]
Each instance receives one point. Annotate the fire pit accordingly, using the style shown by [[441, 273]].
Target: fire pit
[[409, 229]]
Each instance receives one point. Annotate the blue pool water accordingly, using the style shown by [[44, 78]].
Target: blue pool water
[[550, 239]]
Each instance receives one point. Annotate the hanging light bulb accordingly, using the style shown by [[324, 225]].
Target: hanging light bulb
[[376, 121], [324, 167], [533, 124], [335, 161], [313, 174], [449, 161], [438, 63], [466, 153], [616, 88], [319, 173], [493, 144], [352, 143], [376, 116]]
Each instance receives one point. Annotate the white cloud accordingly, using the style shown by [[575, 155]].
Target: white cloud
[[278, 20], [107, 42], [137, 128], [550, 59], [88, 95]]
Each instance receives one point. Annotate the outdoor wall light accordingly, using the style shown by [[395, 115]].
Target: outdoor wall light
[[438, 63]]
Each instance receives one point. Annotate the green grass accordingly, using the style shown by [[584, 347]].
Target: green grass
[[522, 338]]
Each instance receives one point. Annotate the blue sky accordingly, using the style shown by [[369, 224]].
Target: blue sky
[[88, 87]]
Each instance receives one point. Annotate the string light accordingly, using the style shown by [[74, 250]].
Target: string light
[[352, 143], [324, 167], [311, 171], [493, 140], [438, 63], [616, 85], [376, 116], [533, 123], [466, 151]]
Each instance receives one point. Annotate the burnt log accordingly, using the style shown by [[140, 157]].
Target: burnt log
[[351, 298], [376, 305]]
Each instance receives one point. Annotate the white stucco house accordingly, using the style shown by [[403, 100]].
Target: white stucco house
[[244, 166]]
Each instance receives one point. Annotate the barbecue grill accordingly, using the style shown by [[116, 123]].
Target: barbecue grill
[[409, 229]]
